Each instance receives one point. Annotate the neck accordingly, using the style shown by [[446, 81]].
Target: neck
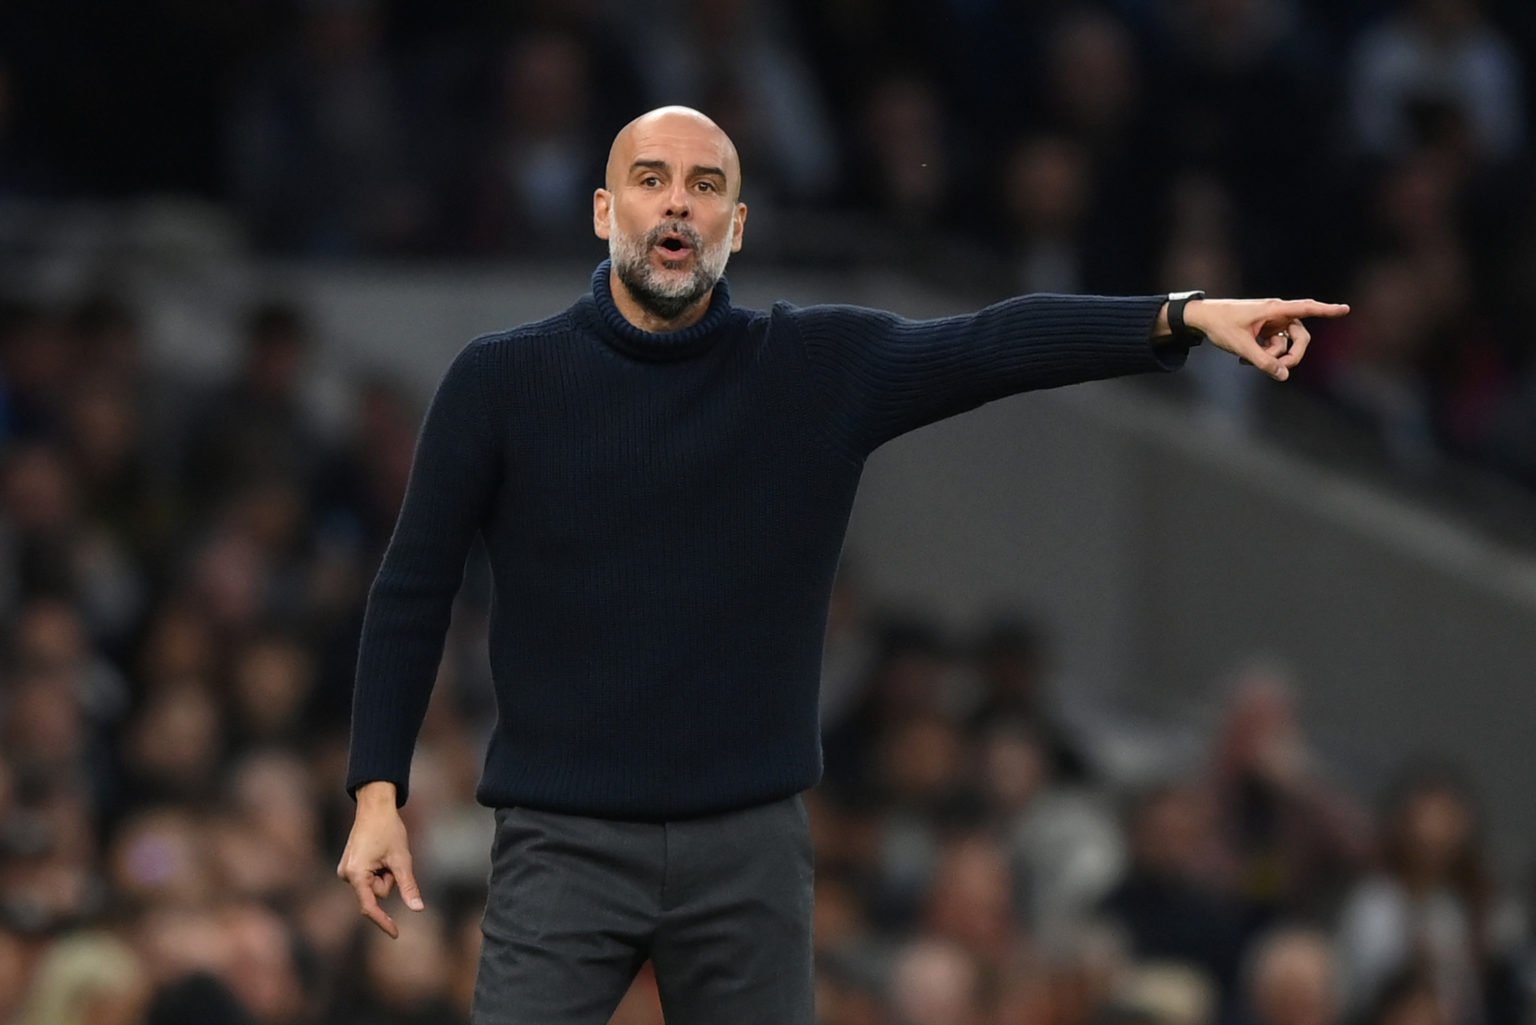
[[644, 319]]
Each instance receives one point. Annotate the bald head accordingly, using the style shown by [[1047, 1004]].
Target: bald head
[[668, 128], [671, 212]]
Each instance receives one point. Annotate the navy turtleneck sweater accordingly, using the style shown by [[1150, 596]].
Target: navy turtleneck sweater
[[664, 514]]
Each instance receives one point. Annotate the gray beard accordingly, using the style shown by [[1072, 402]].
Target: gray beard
[[666, 298]]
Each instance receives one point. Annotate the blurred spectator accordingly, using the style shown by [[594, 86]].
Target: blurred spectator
[[1013, 657], [103, 439], [51, 637], [1071, 981], [919, 766], [272, 680], [1224, 66], [34, 370], [1048, 190], [1065, 848], [124, 426], [43, 543], [254, 429], [45, 733], [935, 983], [1436, 72], [1293, 841], [1095, 97], [1431, 908], [274, 827], [1377, 372], [538, 159], [905, 160], [914, 673], [971, 903], [52, 548], [1291, 979], [359, 493], [1093, 88], [47, 845], [245, 946], [262, 969], [174, 745], [1167, 902], [320, 155], [86, 979], [1422, 217]]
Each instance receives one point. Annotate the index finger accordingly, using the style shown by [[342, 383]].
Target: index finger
[[1295, 309], [369, 905]]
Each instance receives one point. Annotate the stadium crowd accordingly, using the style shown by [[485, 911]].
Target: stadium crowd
[[1375, 149], [183, 562]]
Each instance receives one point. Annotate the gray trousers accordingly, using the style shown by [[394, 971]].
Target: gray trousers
[[720, 904]]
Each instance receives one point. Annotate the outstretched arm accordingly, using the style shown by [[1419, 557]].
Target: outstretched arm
[[878, 375]]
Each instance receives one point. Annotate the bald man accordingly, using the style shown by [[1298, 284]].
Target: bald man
[[663, 480]]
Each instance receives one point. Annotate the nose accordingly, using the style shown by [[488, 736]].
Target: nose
[[677, 201]]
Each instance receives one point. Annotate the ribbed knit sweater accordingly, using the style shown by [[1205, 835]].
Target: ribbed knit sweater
[[664, 513]]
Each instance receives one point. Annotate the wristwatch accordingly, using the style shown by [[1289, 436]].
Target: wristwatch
[[1182, 332]]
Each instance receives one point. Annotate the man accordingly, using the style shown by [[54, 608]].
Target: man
[[663, 483]]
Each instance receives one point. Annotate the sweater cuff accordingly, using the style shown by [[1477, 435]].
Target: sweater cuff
[[363, 771], [1167, 354]]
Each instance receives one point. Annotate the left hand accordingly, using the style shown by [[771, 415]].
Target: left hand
[[1265, 332]]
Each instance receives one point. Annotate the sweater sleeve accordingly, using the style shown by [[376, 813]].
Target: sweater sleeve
[[453, 482], [879, 375]]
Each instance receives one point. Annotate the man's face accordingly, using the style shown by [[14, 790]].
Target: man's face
[[670, 212]]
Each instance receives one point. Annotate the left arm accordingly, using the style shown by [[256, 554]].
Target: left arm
[[878, 375]]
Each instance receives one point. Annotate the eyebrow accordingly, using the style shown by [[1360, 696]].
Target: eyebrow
[[697, 171]]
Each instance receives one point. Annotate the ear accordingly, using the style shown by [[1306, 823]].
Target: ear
[[602, 209], [741, 226]]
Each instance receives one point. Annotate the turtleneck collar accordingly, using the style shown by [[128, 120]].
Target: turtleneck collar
[[653, 345]]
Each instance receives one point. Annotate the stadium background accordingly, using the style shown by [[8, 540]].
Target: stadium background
[[1196, 701]]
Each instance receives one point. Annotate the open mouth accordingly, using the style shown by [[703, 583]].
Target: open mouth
[[674, 247]]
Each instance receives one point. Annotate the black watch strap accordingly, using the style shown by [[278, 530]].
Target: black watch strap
[[1182, 332]]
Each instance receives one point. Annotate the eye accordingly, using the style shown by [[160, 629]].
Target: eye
[[707, 186], [650, 180]]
